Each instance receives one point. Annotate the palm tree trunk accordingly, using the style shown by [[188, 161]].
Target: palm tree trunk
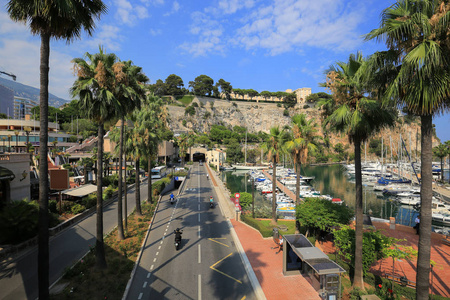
[[426, 193], [274, 190], [358, 280], [149, 187], [99, 246], [297, 183], [125, 197], [43, 237], [138, 190], [120, 234]]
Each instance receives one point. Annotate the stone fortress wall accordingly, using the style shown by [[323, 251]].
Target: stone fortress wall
[[301, 93]]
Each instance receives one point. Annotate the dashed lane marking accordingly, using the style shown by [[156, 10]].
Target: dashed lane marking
[[199, 254], [140, 296], [199, 287], [157, 253], [149, 274], [159, 247], [154, 259], [145, 285], [151, 267]]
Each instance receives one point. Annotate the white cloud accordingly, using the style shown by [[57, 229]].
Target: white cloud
[[210, 34], [231, 6], [279, 27], [290, 24], [106, 35], [22, 58], [128, 13], [155, 32], [175, 8]]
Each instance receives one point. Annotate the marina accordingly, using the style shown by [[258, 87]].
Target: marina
[[335, 183]]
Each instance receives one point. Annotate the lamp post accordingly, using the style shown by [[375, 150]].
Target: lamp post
[[253, 197], [17, 140]]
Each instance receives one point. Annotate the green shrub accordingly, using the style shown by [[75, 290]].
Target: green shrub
[[108, 192], [265, 232], [78, 208], [19, 221], [194, 104], [245, 200], [278, 104], [184, 122], [190, 163], [207, 115], [90, 200], [159, 185], [111, 180], [190, 110], [234, 104], [67, 166], [52, 206], [305, 106], [286, 113], [66, 206]]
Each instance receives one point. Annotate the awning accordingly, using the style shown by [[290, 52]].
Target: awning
[[81, 191], [313, 256], [6, 174]]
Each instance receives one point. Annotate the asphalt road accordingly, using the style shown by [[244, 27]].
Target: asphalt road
[[207, 265], [19, 280]]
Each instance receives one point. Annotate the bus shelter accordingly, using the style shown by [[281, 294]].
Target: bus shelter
[[301, 257]]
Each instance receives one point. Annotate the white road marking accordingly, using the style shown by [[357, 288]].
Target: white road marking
[[140, 296], [162, 240], [154, 259], [198, 231], [168, 224], [199, 254], [148, 275], [145, 285], [199, 207], [165, 233], [199, 287], [159, 247], [157, 253], [199, 217], [151, 267]]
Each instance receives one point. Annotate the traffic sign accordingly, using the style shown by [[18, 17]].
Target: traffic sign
[[237, 195]]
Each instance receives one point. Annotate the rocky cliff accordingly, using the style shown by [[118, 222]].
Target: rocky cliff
[[262, 116]]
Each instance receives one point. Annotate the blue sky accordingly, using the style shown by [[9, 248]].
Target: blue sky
[[253, 44]]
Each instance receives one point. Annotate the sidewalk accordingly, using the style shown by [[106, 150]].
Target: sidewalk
[[266, 263]]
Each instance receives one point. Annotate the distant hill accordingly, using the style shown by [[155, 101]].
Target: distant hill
[[26, 91]]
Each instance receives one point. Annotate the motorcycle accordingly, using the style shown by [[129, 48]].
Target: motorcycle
[[172, 201], [211, 204], [177, 233]]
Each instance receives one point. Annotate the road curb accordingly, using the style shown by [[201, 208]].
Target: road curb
[[248, 267]]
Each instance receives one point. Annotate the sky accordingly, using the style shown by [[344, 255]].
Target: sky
[[254, 44]]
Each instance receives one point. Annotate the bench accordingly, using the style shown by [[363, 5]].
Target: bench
[[400, 280]]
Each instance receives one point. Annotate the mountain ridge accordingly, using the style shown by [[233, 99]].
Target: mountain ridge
[[26, 91]]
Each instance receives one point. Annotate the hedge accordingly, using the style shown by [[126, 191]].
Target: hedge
[[265, 232]]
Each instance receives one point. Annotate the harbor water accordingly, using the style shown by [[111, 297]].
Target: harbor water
[[332, 180]]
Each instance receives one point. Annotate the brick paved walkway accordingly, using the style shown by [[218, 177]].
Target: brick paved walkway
[[267, 265]]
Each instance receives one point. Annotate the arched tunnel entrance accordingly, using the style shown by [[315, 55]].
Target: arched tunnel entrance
[[197, 156]]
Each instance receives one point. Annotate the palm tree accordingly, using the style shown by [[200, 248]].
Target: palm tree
[[182, 144], [358, 116], [303, 140], [60, 20], [86, 162], [128, 90], [94, 89], [273, 148], [150, 121], [416, 32], [441, 152]]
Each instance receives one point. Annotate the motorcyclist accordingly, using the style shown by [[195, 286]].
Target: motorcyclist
[[207, 176], [171, 198], [211, 201], [178, 233]]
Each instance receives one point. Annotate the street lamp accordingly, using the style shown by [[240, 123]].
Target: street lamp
[[17, 140]]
